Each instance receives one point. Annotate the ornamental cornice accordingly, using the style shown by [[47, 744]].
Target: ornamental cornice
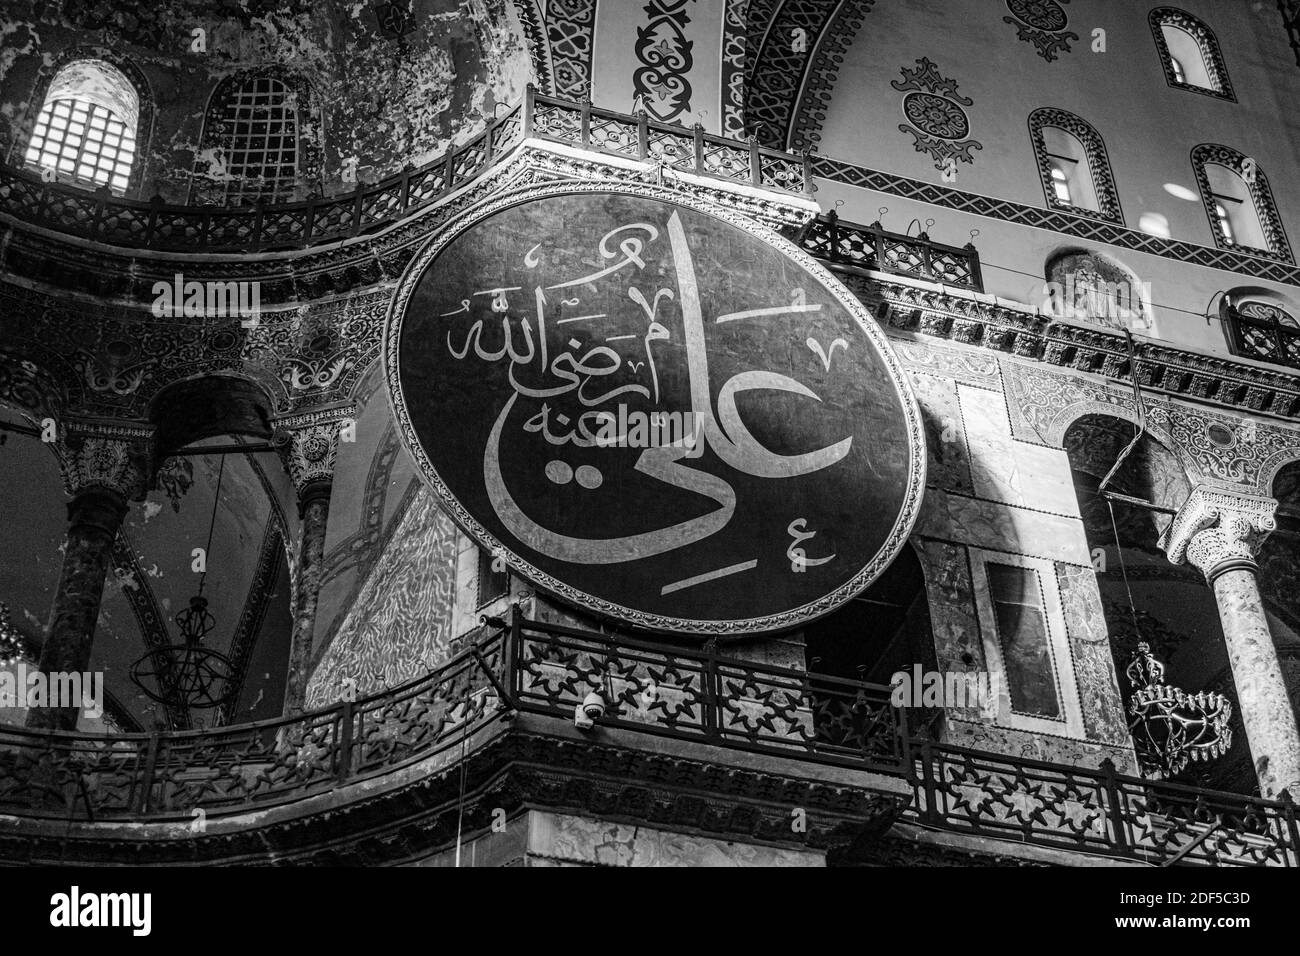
[[407, 816], [1020, 331]]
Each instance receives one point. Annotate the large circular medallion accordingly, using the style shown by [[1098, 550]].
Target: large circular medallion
[[654, 409]]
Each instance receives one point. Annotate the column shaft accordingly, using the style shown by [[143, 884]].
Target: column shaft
[[94, 517], [311, 555], [1265, 707]]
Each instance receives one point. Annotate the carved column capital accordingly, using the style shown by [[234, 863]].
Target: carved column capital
[[309, 455], [1218, 530], [116, 464]]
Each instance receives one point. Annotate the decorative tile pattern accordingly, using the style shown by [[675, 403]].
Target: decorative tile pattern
[[814, 100], [732, 81], [571, 25]]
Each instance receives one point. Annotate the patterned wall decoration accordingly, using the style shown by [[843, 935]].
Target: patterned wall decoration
[[533, 23], [1260, 193], [570, 26], [1085, 227], [806, 129], [1042, 23], [400, 624], [1094, 153], [934, 110], [1216, 449], [25, 385], [665, 57], [732, 80], [783, 36]]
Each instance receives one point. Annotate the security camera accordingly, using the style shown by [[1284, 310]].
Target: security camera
[[589, 711]]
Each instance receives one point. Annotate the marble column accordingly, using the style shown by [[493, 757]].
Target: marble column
[[309, 458], [1220, 533], [102, 475]]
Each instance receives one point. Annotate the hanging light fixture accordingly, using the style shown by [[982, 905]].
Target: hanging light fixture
[[1170, 727], [11, 647], [187, 674]]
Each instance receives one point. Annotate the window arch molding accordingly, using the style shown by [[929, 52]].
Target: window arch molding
[[1094, 155], [1206, 42], [1261, 324], [1256, 185], [1094, 288], [242, 87], [144, 106]]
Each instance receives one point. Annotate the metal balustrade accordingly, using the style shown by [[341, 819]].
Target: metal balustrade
[[873, 247], [101, 217], [652, 691]]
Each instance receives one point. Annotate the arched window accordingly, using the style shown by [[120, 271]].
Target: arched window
[[1189, 53], [251, 141], [1073, 164], [1238, 202], [85, 133], [1263, 327]]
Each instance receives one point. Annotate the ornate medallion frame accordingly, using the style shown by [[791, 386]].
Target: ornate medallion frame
[[894, 542]]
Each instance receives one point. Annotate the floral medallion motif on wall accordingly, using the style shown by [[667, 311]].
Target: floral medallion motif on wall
[[1042, 23], [936, 114]]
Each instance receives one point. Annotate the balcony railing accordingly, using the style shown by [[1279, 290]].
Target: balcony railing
[[530, 667], [653, 690], [872, 247], [101, 217]]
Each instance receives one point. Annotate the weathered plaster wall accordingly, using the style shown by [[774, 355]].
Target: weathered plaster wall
[[375, 103]]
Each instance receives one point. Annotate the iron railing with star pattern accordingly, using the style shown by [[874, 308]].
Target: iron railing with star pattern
[[651, 691]]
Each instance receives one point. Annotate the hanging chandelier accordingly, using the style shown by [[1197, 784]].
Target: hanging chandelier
[[1172, 728], [11, 648], [186, 674]]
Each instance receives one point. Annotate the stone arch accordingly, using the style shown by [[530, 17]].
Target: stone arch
[[1146, 598], [793, 54], [195, 409], [1094, 287]]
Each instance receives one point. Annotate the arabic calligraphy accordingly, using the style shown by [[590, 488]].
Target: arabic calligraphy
[[628, 413]]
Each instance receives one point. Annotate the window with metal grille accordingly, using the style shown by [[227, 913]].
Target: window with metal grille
[[85, 131], [257, 155], [1264, 331]]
